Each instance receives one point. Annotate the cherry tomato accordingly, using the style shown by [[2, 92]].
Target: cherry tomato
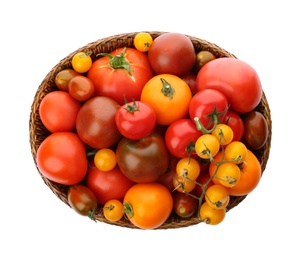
[[81, 88], [211, 216], [256, 129], [223, 133], [190, 78], [207, 146], [113, 210], [188, 167], [81, 62], [202, 58], [172, 53], [235, 151], [217, 196], [148, 205], [180, 137], [184, 205], [121, 74], [143, 41], [95, 123], [107, 185], [82, 200], [61, 157], [105, 159], [58, 111], [169, 96], [135, 120], [204, 179], [183, 184], [63, 77], [143, 160], [236, 79], [209, 106], [228, 174], [233, 120]]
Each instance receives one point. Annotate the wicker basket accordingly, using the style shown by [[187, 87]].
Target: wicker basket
[[38, 132]]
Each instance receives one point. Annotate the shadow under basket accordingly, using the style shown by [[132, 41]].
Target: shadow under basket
[[38, 132]]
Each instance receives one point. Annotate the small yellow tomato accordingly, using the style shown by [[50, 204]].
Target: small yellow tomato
[[217, 196], [236, 151], [211, 216], [105, 159], [207, 146], [113, 210], [228, 174], [81, 62], [188, 167], [223, 133], [143, 41]]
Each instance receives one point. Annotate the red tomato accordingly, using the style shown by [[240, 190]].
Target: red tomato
[[234, 120], [121, 74], [184, 205], [58, 111], [95, 122], [107, 185], [209, 105], [166, 179], [255, 129], [203, 178], [135, 120], [61, 157], [172, 53], [181, 136], [148, 205], [237, 80], [143, 160], [82, 200]]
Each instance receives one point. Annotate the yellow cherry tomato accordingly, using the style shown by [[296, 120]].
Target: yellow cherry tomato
[[236, 151], [217, 196], [105, 159], [223, 133], [211, 216], [188, 167], [81, 62], [183, 184], [143, 41], [207, 146], [228, 174], [113, 210]]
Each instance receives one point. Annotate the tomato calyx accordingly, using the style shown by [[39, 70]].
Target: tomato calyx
[[131, 108], [118, 61], [91, 215], [167, 89], [128, 209]]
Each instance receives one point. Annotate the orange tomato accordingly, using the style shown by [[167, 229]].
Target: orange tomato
[[148, 205], [211, 216], [113, 210], [169, 96]]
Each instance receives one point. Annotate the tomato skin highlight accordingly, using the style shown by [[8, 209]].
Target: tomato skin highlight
[[61, 157], [143, 160], [152, 204], [117, 83], [236, 79]]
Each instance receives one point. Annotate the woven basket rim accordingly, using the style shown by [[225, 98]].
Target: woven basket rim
[[37, 131]]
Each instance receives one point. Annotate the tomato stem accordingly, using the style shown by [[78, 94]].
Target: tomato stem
[[131, 108], [128, 209], [167, 89]]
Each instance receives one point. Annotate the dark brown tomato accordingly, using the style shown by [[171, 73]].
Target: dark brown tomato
[[172, 53], [255, 130], [95, 122], [143, 160], [202, 58], [63, 77]]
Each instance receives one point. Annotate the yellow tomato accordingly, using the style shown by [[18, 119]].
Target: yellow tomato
[[223, 133], [207, 146], [236, 151], [81, 62], [105, 159], [217, 196], [113, 210], [142, 41], [211, 216]]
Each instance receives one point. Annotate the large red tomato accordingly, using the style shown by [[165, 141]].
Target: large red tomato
[[107, 185], [95, 122], [61, 157], [236, 79], [121, 74]]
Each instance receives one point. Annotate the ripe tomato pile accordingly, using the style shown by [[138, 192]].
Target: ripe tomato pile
[[152, 130]]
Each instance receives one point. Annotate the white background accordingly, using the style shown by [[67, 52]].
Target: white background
[[36, 35]]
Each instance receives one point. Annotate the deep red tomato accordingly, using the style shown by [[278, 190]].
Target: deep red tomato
[[58, 111], [181, 136], [237, 80], [81, 88], [107, 185], [143, 160], [82, 200], [234, 120], [121, 74], [166, 179], [203, 178], [61, 157], [172, 53], [255, 129], [95, 122], [208, 105], [190, 78], [184, 205], [135, 120]]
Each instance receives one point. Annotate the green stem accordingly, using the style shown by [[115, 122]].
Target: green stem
[[167, 89]]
